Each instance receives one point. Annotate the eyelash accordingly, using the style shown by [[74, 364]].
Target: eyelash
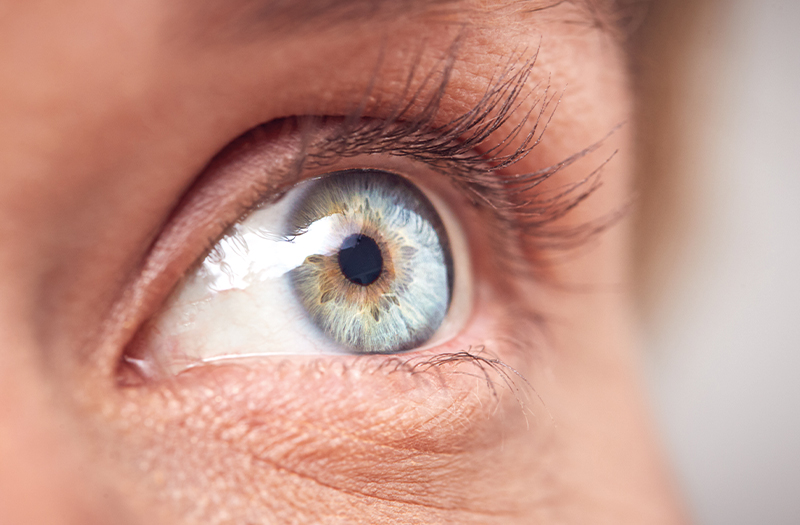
[[465, 152]]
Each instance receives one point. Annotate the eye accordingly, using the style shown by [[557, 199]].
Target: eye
[[367, 256], [354, 261]]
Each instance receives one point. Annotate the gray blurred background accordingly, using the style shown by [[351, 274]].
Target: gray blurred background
[[720, 252]]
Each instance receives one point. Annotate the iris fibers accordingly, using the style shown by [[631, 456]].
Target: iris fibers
[[388, 285]]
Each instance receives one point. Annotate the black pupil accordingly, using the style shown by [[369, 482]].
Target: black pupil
[[360, 259]]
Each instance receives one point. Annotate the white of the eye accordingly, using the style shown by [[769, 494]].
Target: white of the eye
[[240, 303]]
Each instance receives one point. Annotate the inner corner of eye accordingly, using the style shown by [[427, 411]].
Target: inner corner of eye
[[359, 261]]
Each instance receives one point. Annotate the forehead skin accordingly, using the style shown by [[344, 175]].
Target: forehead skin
[[108, 112]]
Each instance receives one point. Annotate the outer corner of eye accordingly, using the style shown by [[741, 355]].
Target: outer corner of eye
[[360, 261]]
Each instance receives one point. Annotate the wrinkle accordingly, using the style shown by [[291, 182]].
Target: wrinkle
[[358, 493]]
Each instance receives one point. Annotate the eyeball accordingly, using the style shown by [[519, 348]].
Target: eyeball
[[360, 261]]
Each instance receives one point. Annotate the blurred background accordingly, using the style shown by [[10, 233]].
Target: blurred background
[[719, 257]]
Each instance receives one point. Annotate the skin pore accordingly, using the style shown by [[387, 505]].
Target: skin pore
[[112, 119]]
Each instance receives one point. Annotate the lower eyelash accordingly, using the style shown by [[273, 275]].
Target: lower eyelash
[[485, 363]]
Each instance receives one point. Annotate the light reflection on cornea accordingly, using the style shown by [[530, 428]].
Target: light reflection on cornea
[[249, 255]]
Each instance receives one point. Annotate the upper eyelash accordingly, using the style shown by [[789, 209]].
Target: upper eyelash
[[463, 151]]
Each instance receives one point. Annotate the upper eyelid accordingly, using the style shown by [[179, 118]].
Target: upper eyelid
[[477, 151], [465, 142]]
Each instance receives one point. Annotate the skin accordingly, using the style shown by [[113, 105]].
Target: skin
[[110, 112]]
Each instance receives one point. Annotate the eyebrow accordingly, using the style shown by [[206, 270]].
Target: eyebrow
[[337, 11], [255, 18]]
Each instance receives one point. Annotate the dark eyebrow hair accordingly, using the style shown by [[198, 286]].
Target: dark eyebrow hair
[[254, 18], [336, 11]]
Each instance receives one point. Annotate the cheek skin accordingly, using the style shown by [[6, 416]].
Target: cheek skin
[[99, 153], [381, 440]]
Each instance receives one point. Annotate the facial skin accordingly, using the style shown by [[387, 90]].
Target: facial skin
[[110, 113]]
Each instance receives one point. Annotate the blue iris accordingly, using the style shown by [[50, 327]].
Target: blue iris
[[384, 282]]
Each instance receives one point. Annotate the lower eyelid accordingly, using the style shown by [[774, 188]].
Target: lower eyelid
[[383, 426]]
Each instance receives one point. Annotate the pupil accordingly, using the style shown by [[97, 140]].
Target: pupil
[[360, 259]]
